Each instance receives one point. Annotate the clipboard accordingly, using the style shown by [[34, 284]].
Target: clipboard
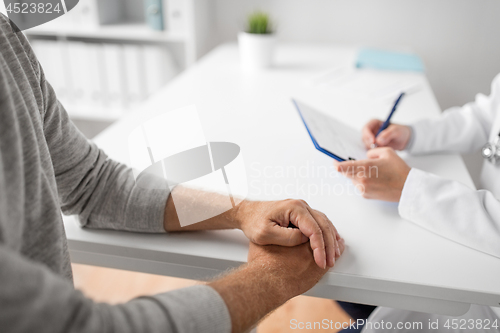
[[330, 136]]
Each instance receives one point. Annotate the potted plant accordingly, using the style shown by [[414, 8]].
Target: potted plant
[[257, 42]]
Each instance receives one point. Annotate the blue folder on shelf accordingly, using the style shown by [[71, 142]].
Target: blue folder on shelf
[[388, 60], [154, 14]]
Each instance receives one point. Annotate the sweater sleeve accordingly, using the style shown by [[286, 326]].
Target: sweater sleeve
[[452, 210], [34, 299], [102, 192], [461, 130], [105, 194]]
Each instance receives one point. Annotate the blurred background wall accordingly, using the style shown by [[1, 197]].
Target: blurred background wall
[[459, 40]]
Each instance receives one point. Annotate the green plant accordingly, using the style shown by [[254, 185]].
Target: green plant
[[259, 23]]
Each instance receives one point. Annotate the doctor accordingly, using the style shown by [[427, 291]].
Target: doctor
[[442, 206]]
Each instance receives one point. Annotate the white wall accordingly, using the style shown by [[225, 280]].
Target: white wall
[[459, 40]]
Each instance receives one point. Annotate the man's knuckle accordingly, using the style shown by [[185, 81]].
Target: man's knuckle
[[297, 202]]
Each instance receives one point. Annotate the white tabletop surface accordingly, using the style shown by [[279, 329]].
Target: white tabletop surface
[[388, 261]]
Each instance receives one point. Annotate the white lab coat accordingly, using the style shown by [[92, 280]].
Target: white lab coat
[[450, 208]]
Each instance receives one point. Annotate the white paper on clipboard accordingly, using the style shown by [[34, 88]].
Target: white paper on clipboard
[[332, 134]]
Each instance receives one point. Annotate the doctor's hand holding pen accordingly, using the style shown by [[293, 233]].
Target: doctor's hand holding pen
[[395, 136], [385, 134], [383, 174]]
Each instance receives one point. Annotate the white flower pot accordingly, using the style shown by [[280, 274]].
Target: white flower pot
[[256, 50]]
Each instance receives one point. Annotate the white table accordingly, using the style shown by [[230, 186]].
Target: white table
[[388, 261]]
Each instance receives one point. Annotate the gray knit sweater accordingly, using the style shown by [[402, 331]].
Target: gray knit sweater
[[46, 165]]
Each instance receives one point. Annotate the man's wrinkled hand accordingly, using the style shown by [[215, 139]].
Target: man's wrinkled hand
[[268, 222], [294, 267]]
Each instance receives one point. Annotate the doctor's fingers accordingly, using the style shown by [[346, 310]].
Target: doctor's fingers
[[366, 187], [387, 136], [350, 169], [380, 152], [396, 136], [369, 131]]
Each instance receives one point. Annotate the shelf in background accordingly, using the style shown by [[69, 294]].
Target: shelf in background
[[94, 113], [123, 32], [121, 56]]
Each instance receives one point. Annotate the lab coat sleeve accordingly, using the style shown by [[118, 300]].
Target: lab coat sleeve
[[460, 130], [452, 210]]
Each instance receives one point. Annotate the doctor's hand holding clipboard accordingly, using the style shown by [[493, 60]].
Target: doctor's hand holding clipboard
[[343, 143]]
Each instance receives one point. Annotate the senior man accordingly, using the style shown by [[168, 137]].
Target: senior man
[[47, 165]]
